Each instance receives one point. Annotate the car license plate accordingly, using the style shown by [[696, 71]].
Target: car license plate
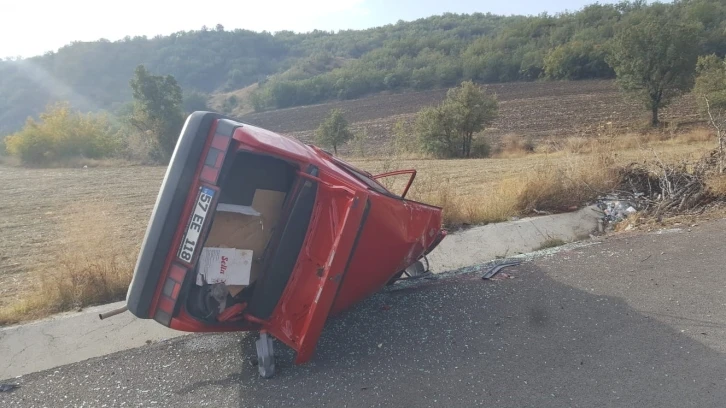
[[195, 225]]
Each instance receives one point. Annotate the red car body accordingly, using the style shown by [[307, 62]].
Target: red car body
[[343, 235]]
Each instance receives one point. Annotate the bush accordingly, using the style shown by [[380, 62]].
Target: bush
[[448, 130], [62, 133]]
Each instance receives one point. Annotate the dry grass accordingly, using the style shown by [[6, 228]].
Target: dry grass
[[565, 185], [462, 209], [89, 266], [74, 163], [552, 183], [550, 243], [717, 184], [81, 162], [697, 136], [514, 145], [556, 177]]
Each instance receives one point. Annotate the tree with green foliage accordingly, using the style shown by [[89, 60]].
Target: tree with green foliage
[[654, 56], [711, 92], [448, 130], [157, 110], [334, 131]]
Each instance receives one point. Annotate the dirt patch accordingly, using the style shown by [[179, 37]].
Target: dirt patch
[[35, 202]]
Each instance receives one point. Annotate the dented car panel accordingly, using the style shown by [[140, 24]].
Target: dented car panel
[[335, 237]]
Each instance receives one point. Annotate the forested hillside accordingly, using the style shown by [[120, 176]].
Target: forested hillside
[[298, 69]]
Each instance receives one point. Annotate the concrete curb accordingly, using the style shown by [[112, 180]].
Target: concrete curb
[[73, 337], [506, 239]]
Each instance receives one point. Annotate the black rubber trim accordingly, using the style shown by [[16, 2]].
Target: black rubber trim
[[277, 274], [169, 205], [358, 234]]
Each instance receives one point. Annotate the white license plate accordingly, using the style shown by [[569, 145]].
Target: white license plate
[[195, 225]]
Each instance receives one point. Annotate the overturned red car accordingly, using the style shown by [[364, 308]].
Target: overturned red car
[[254, 231]]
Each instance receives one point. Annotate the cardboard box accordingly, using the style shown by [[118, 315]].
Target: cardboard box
[[230, 266], [238, 227]]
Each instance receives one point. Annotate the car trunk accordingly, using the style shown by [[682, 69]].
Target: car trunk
[[257, 229]]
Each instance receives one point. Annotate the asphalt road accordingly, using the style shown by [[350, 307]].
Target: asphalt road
[[638, 320]]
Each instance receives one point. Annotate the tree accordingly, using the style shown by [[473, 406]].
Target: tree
[[711, 91], [654, 56], [157, 109], [334, 131], [448, 130]]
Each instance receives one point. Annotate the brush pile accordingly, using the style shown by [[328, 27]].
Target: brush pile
[[660, 189]]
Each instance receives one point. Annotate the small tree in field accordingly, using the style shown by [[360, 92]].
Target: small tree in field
[[654, 57], [711, 91], [448, 130], [334, 131]]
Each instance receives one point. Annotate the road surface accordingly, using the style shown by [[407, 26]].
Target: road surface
[[637, 320]]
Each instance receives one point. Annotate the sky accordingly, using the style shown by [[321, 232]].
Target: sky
[[33, 27]]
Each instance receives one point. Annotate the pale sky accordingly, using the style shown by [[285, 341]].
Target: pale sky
[[32, 27]]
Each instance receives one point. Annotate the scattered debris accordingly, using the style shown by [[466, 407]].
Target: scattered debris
[[616, 209], [497, 268], [8, 387]]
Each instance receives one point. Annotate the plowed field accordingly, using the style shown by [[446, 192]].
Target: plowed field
[[534, 109]]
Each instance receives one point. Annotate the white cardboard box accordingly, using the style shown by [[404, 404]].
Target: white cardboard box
[[230, 266]]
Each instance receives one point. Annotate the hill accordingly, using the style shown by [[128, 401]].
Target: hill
[[300, 69]]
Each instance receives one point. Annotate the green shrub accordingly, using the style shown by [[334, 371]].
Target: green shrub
[[62, 133]]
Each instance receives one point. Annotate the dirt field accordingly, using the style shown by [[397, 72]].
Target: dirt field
[[36, 199], [536, 109]]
